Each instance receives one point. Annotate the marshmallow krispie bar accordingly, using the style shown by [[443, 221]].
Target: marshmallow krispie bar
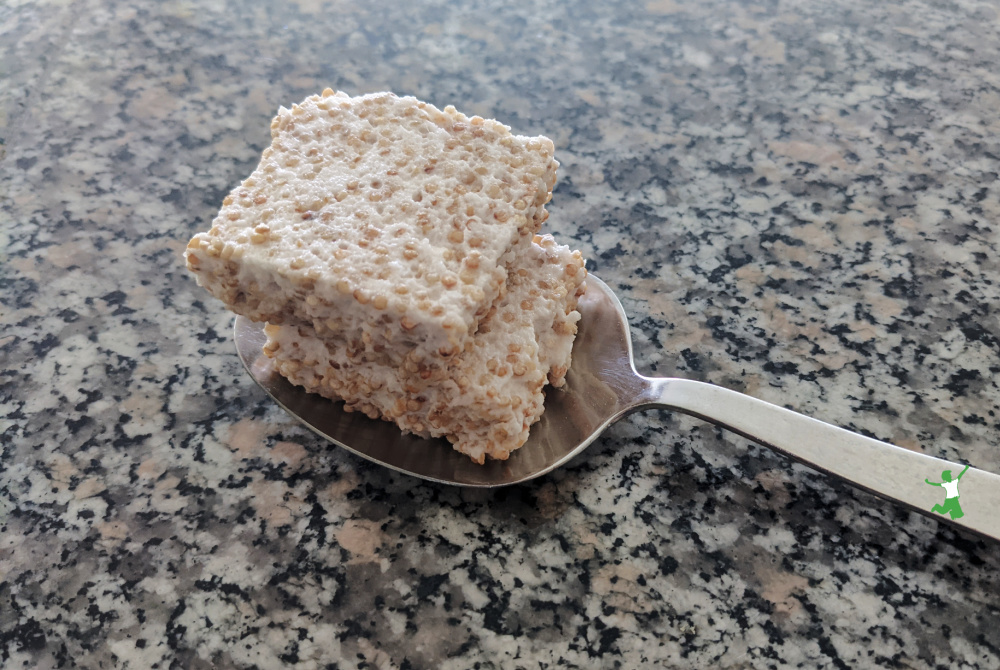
[[488, 395], [380, 220]]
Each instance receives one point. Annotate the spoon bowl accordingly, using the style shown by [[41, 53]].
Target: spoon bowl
[[601, 387], [574, 415]]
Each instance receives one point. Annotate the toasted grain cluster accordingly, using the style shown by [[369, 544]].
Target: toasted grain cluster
[[380, 220], [485, 398], [392, 249]]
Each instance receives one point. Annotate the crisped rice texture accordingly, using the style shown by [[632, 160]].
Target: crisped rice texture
[[488, 395], [379, 219]]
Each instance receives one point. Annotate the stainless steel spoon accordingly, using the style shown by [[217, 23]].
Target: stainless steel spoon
[[602, 387]]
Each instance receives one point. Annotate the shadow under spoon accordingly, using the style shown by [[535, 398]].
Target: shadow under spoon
[[602, 387]]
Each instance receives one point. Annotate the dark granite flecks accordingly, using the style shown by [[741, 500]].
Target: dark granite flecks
[[797, 200]]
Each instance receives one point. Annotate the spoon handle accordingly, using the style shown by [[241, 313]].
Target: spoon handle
[[950, 492]]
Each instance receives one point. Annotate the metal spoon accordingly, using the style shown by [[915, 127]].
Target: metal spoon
[[602, 387]]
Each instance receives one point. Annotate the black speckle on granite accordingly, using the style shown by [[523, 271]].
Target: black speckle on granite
[[795, 200]]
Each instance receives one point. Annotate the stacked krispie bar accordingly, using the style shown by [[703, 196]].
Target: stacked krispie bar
[[392, 248]]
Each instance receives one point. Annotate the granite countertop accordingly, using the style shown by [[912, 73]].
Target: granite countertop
[[798, 200]]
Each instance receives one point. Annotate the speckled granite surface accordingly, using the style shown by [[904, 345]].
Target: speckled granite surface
[[797, 200]]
